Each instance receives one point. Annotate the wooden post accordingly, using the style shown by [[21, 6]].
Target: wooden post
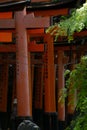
[[61, 104], [24, 107], [38, 89], [71, 104], [3, 87], [29, 78], [4, 69], [49, 86]]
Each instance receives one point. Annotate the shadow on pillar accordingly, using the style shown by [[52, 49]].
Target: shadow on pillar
[[61, 125], [69, 118], [51, 121], [3, 120]]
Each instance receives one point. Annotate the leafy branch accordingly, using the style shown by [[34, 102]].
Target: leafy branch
[[68, 26], [78, 79]]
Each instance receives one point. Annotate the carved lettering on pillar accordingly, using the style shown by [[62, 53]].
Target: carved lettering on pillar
[[46, 62], [39, 88]]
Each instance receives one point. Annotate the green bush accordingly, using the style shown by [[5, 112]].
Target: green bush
[[78, 79]]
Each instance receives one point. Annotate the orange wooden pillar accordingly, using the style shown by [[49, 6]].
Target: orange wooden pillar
[[4, 69], [61, 104], [24, 107], [38, 95], [3, 87], [49, 86], [38, 88]]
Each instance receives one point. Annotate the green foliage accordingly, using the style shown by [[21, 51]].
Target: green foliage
[[68, 26], [78, 80], [66, 73], [62, 95]]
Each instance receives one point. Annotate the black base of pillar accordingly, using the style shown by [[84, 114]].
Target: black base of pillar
[[4, 120], [38, 117], [50, 121], [69, 118], [61, 125]]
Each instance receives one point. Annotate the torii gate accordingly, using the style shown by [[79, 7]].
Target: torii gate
[[23, 83]]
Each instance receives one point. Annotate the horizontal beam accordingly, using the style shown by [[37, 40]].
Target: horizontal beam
[[51, 12], [7, 48], [82, 33], [32, 48], [72, 48], [10, 61], [37, 61], [36, 22], [6, 15], [35, 47], [29, 21], [35, 31], [64, 48], [7, 23], [38, 48], [5, 37]]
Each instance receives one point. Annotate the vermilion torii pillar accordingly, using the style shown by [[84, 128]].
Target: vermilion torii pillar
[[72, 97], [51, 119], [24, 107], [61, 105]]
